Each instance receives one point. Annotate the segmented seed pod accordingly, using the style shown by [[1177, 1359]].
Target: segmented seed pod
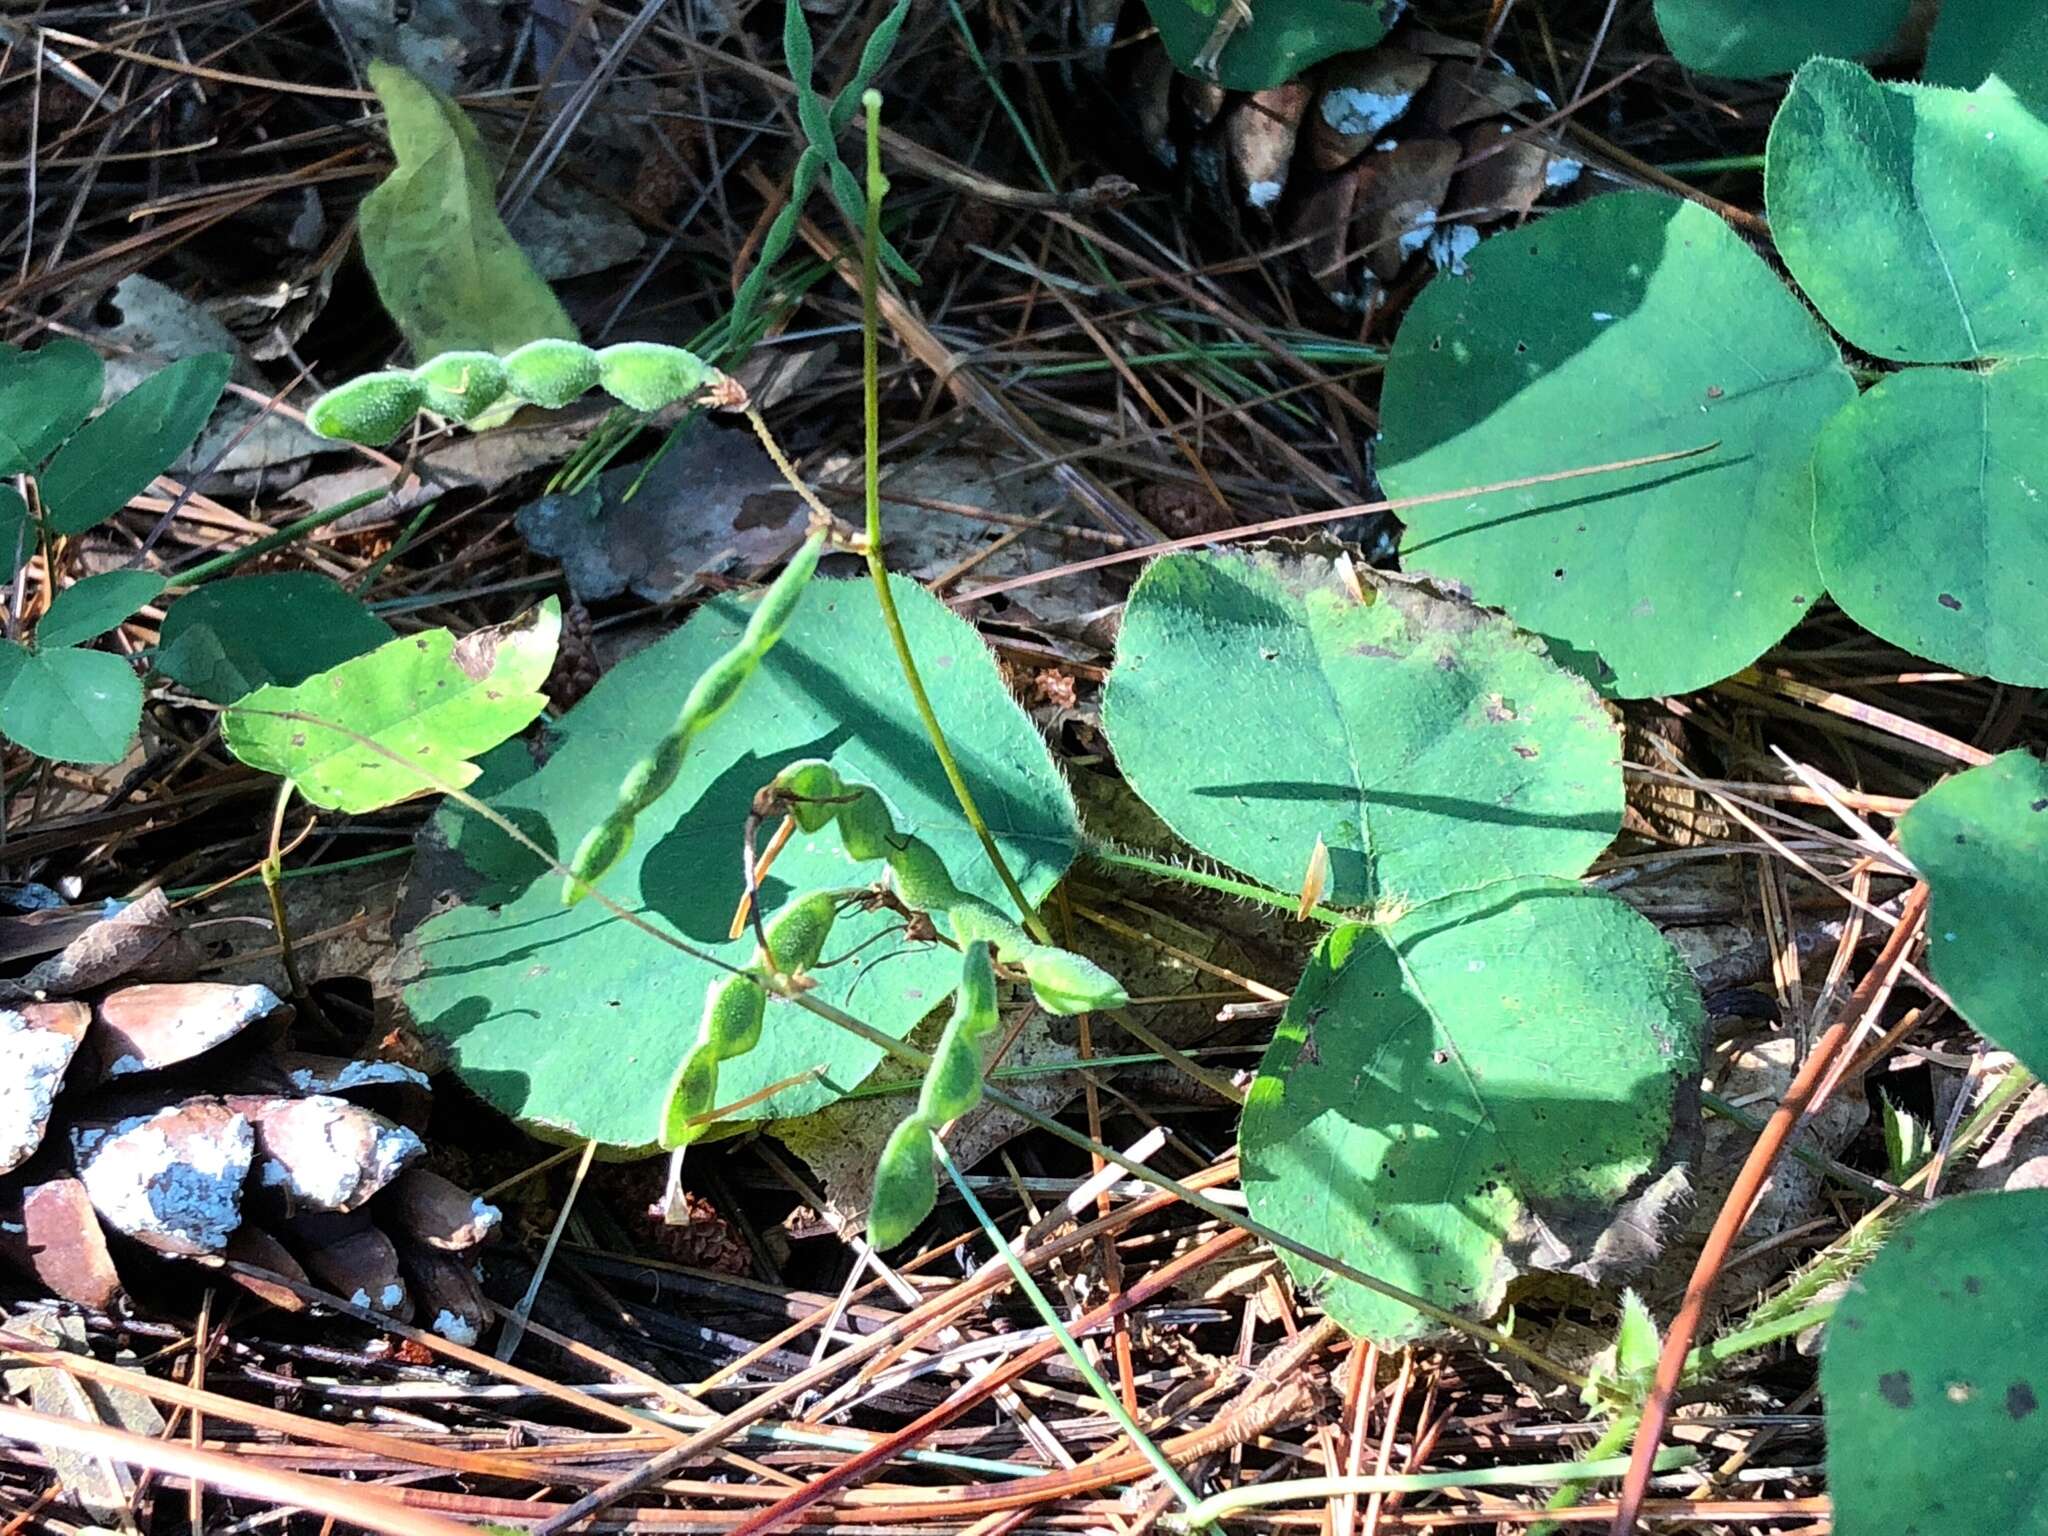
[[735, 1007], [647, 376], [551, 372], [602, 847], [905, 1187], [373, 409], [713, 692], [461, 384], [816, 795], [1067, 983]]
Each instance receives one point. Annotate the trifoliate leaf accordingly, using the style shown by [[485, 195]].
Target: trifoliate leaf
[[1913, 216], [1630, 325]]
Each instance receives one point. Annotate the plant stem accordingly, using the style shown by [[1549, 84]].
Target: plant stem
[[1102, 853], [1112, 1403], [273, 887], [1613, 1440], [220, 565], [878, 565]]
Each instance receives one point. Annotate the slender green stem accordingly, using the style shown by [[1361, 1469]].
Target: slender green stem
[[1613, 1441], [1112, 1402], [220, 565], [273, 887], [1713, 165], [878, 565], [1102, 853], [1314, 1490]]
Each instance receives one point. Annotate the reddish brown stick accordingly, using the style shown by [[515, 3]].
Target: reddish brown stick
[[1735, 1210]]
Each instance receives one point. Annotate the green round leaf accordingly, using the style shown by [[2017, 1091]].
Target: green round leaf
[[1744, 39], [1980, 840], [1935, 1374], [114, 456], [1282, 38], [1425, 742], [1929, 521], [17, 533], [573, 1022], [71, 705], [87, 609], [1630, 325], [231, 637], [1976, 39], [1472, 1091], [429, 699], [44, 395], [1913, 216]]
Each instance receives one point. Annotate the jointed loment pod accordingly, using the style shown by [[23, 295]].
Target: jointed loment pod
[[650, 778], [550, 372], [905, 1187], [734, 1007], [815, 795]]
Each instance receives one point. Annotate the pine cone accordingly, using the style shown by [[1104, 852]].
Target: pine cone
[[1375, 161]]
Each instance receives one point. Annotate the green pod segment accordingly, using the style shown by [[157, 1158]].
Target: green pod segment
[[462, 384], [798, 932], [551, 372], [906, 1188], [735, 1009], [1066, 983], [648, 376], [778, 604], [730, 1026], [602, 847], [652, 777], [952, 1084], [371, 410]]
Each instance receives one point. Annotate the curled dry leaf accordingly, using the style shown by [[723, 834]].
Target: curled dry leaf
[[111, 948]]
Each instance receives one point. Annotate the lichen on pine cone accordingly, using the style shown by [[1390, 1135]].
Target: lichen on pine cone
[[1373, 166], [157, 1124]]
